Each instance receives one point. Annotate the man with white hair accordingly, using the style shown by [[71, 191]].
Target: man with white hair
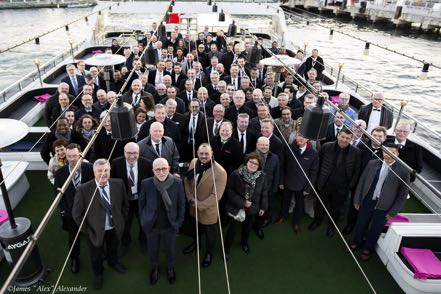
[[410, 153], [343, 104], [233, 111], [376, 114]]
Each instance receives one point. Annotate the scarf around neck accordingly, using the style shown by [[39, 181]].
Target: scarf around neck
[[249, 179], [162, 188]]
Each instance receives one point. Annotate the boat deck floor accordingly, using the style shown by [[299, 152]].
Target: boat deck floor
[[309, 262]]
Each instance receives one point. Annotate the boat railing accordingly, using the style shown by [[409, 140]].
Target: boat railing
[[419, 129], [22, 83]]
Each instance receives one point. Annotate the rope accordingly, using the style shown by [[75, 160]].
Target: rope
[[217, 208], [53, 30], [360, 39], [81, 225]]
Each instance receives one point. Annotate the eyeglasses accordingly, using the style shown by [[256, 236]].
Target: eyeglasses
[[131, 153], [401, 131], [255, 163], [163, 170], [378, 99]]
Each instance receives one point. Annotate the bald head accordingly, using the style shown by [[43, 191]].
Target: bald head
[[131, 152], [262, 145]]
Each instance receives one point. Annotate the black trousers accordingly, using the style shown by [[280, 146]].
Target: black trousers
[[299, 209], [153, 240], [334, 200], [209, 231], [232, 228], [111, 252], [351, 219], [71, 227], [133, 212]]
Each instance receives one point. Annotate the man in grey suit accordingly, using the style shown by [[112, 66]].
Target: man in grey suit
[[381, 193], [161, 209], [104, 222], [157, 145]]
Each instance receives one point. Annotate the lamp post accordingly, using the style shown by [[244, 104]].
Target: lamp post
[[340, 66], [37, 64], [71, 49]]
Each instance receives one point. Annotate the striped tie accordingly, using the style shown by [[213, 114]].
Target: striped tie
[[77, 179]]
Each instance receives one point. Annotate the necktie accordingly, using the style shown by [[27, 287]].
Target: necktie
[[75, 84], [136, 100], [254, 83], [215, 87], [234, 83], [77, 179], [216, 129], [337, 130], [157, 149], [377, 183], [242, 142], [106, 202], [131, 176], [189, 96], [377, 109]]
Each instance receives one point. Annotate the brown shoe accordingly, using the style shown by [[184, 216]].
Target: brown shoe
[[296, 228], [279, 221]]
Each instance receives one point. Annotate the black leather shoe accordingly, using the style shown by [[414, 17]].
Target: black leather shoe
[[75, 265], [190, 248], [260, 234], [207, 260], [245, 248], [348, 230], [330, 232], [118, 267], [154, 276], [314, 225], [171, 275], [98, 282]]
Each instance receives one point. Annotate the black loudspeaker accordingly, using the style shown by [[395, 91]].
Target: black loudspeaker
[[232, 30], [315, 121], [398, 12], [222, 15], [122, 119], [151, 57], [256, 54]]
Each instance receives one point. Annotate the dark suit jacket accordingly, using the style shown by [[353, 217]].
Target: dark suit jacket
[[181, 80], [169, 151], [52, 103], [278, 148], [152, 76], [95, 219], [228, 80], [236, 191], [272, 172], [119, 170], [67, 200], [250, 137], [81, 82], [309, 162], [148, 204], [394, 191], [179, 119], [208, 108], [127, 97], [200, 135], [180, 108], [210, 125], [171, 129], [232, 112], [386, 118], [95, 113], [47, 149], [183, 95], [104, 144], [412, 155], [229, 155], [319, 66]]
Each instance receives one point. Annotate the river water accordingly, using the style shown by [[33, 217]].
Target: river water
[[392, 74]]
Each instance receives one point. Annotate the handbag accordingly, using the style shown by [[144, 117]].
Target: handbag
[[240, 216]]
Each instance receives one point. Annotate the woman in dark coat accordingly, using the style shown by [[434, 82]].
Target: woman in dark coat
[[247, 195]]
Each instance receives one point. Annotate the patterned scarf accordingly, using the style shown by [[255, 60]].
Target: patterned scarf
[[249, 179]]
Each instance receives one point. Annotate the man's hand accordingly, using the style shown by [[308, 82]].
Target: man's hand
[[261, 212], [247, 203], [357, 206]]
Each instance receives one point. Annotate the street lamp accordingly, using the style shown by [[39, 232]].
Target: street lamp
[[37, 64]]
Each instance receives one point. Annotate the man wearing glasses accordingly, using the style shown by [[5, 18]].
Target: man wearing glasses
[[161, 209], [376, 114]]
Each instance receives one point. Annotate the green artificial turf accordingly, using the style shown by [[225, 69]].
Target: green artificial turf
[[281, 263]]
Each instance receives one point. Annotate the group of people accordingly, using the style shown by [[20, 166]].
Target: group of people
[[215, 147]]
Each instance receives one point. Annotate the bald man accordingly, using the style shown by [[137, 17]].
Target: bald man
[[132, 169], [161, 208]]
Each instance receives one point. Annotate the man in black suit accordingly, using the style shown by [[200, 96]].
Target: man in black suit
[[206, 105], [177, 118], [162, 208], [105, 218], [171, 129], [52, 102], [376, 114], [194, 131], [136, 94], [233, 78], [214, 123], [309, 163], [410, 153], [334, 128], [233, 111], [75, 82], [63, 132], [178, 77], [245, 137], [156, 76], [271, 167], [227, 149], [314, 61], [256, 83], [262, 113], [188, 93], [83, 175], [132, 169], [171, 94], [87, 108], [381, 193], [338, 174]]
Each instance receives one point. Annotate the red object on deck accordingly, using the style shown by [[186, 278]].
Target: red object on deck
[[175, 18]]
